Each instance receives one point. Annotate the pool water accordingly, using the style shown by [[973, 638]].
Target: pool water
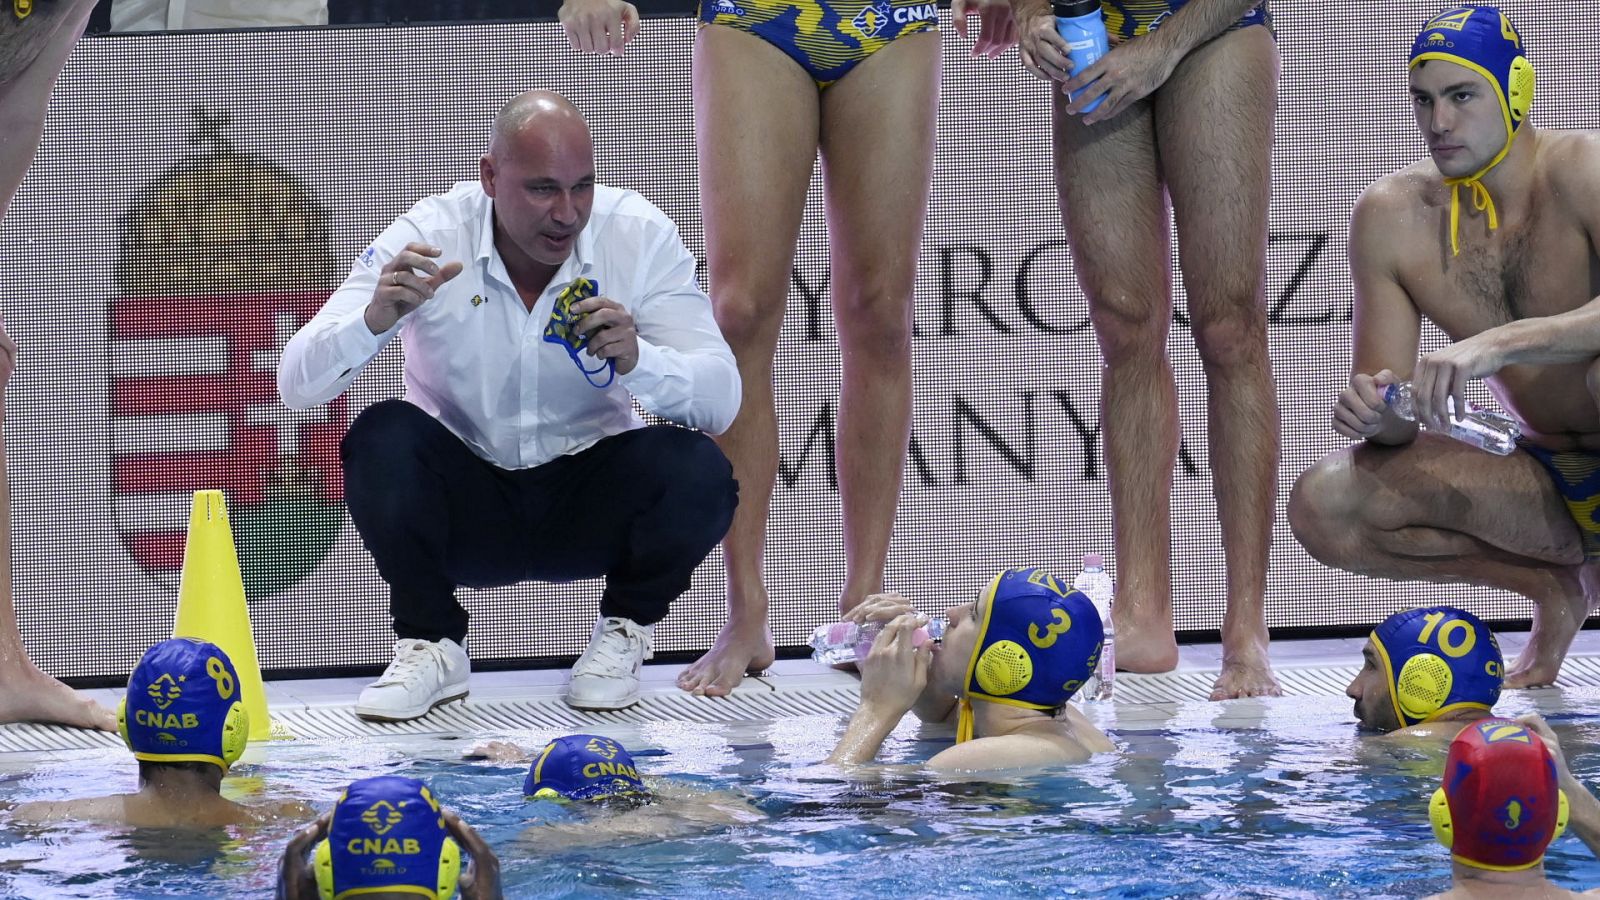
[[1300, 807]]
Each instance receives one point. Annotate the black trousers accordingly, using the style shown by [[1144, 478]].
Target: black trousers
[[642, 508]]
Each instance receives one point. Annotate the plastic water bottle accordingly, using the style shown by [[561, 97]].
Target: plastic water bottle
[[1081, 25], [1094, 583], [846, 642], [1482, 428]]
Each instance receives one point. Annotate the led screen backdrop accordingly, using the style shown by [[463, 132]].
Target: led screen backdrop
[[198, 195]]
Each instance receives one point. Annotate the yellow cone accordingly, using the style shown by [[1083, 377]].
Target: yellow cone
[[211, 603]]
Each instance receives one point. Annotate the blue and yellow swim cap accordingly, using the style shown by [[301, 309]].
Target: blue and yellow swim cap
[[387, 834], [1438, 660], [584, 767], [1037, 644], [183, 706], [1480, 38]]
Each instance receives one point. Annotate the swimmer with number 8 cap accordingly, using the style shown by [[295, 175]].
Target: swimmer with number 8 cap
[[186, 724], [1427, 672], [388, 837], [1008, 664]]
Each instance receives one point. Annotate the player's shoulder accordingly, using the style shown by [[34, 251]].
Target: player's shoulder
[[1570, 161]]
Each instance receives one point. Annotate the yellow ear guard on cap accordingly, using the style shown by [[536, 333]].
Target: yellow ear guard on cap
[[1422, 686], [1444, 828]]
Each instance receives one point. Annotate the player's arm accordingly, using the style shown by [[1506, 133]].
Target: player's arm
[[1007, 751], [1386, 329]]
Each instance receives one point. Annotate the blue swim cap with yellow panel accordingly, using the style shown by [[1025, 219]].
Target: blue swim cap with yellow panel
[[1037, 643], [584, 767], [387, 835], [1438, 660], [1480, 38], [183, 705]]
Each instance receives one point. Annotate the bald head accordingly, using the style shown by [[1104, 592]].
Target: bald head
[[537, 111]]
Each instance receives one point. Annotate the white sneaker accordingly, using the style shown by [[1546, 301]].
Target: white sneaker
[[606, 676], [423, 675]]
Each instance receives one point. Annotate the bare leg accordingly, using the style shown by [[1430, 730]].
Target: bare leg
[[1112, 202], [1438, 510], [877, 203], [1214, 128], [756, 114], [27, 694]]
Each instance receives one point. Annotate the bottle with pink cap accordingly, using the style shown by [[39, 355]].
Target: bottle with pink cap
[[845, 642], [1094, 583]]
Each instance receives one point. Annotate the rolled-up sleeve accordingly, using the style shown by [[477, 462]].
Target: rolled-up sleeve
[[686, 371], [327, 354]]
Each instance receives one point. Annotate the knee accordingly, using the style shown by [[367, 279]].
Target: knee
[[696, 478], [1232, 338], [748, 318], [1128, 334], [873, 315], [386, 441], [1325, 512]]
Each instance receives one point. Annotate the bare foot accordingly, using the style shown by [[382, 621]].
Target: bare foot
[[1246, 669], [738, 651], [1144, 641], [1554, 627], [1239, 678], [29, 695]]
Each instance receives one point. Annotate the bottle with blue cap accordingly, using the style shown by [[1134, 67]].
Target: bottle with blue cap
[[1081, 24], [1482, 428], [845, 642]]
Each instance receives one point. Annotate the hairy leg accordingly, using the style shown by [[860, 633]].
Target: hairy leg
[[756, 114], [877, 203], [1109, 184], [1437, 510], [32, 54], [1214, 127], [26, 693]]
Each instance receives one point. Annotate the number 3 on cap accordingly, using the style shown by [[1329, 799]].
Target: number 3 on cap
[[1447, 634], [1052, 630]]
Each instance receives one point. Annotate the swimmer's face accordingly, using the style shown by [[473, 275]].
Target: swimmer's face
[[1370, 690], [948, 673], [542, 182], [1459, 116]]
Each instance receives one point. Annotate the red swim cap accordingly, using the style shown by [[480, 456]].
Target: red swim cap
[[1499, 807]]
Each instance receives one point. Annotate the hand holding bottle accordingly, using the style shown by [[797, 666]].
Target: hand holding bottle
[[1358, 413], [895, 671]]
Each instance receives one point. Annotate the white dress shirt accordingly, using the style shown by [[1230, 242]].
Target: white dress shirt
[[477, 360]]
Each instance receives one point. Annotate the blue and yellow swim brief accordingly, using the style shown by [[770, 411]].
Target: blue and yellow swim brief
[[1576, 475], [827, 38], [1131, 18]]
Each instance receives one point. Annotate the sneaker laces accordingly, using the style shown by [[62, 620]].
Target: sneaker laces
[[409, 657], [614, 648]]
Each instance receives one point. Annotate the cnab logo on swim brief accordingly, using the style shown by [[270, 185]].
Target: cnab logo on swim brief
[[872, 19], [221, 259]]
